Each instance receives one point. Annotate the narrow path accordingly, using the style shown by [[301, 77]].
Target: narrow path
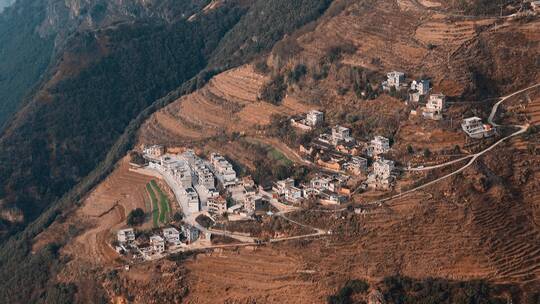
[[491, 118]]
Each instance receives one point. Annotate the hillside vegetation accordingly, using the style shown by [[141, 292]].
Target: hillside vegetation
[[65, 131]]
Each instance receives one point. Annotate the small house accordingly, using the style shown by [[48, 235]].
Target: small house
[[125, 236], [157, 243]]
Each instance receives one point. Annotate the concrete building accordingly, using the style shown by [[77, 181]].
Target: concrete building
[[171, 235], [434, 106], [253, 203], [394, 80], [217, 205], [378, 145], [421, 86], [154, 151], [314, 118], [280, 187], [176, 167], [356, 165], [157, 243], [382, 177], [341, 134], [191, 200], [125, 235], [223, 170], [191, 233], [475, 128]]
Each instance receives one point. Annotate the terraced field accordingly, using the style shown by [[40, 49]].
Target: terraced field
[[227, 103]]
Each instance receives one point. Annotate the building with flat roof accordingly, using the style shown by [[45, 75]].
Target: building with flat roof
[[171, 235], [434, 107], [378, 145], [223, 170], [191, 233], [395, 79], [341, 134], [217, 205], [314, 118], [475, 128], [191, 198], [157, 243], [125, 235], [382, 177]]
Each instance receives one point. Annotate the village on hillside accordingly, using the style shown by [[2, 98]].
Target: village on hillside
[[213, 200]]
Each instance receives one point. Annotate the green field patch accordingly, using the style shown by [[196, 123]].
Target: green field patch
[[164, 204], [155, 208]]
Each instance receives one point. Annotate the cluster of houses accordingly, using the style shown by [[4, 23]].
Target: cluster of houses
[[339, 151], [328, 189], [435, 103], [419, 91], [170, 238], [196, 181]]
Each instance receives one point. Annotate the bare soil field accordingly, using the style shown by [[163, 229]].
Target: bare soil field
[[101, 213], [227, 103]]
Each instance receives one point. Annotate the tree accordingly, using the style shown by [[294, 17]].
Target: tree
[[136, 217], [427, 152], [410, 149]]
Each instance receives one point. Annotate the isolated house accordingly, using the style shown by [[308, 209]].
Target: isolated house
[[125, 235], [419, 89], [474, 128], [535, 5]]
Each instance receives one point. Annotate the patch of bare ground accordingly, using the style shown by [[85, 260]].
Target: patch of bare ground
[[228, 103], [251, 275]]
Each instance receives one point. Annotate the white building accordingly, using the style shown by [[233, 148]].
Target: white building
[[383, 168], [253, 203], [421, 86], [382, 177], [435, 106], [172, 235], [217, 205], [356, 165], [378, 145], [191, 200], [158, 244], [154, 151], [474, 128], [394, 79], [191, 233], [341, 134], [125, 235], [179, 169], [314, 118], [281, 187], [223, 170]]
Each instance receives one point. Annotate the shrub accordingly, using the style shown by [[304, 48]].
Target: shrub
[[274, 90], [136, 217]]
